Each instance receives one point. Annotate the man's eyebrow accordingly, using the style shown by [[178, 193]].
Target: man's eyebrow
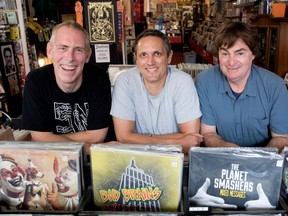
[[152, 52], [242, 49], [239, 50]]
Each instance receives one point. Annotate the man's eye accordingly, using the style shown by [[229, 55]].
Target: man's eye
[[62, 48], [158, 54], [80, 51], [143, 55], [240, 53]]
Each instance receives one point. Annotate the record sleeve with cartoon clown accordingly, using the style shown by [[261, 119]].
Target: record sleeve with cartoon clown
[[40, 176]]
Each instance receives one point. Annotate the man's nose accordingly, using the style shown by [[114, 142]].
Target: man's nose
[[70, 54], [150, 59]]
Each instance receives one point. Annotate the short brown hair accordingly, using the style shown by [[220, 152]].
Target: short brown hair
[[229, 32]]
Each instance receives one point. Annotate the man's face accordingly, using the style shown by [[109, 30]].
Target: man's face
[[68, 55], [67, 182], [8, 57], [152, 59], [236, 61], [11, 178]]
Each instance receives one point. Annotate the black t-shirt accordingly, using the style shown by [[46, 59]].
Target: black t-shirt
[[47, 108]]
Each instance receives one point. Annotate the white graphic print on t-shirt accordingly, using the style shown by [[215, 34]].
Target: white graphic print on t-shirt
[[76, 117]]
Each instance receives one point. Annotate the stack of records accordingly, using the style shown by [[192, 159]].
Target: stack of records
[[40, 176], [145, 178], [284, 184], [235, 178]]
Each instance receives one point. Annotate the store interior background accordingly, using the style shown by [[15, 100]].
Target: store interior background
[[42, 16], [190, 35]]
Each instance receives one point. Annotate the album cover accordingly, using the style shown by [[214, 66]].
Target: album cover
[[11, 17], [136, 178], [234, 178], [3, 19], [284, 183], [115, 70], [40, 176]]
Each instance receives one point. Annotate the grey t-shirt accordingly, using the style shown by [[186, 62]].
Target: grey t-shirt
[[177, 103]]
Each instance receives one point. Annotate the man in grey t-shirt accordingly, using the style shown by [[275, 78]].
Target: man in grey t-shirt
[[153, 102]]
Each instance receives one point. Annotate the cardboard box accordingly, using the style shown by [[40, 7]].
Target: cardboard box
[[279, 9]]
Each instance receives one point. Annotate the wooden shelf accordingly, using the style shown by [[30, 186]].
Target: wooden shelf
[[248, 4], [175, 40], [275, 43]]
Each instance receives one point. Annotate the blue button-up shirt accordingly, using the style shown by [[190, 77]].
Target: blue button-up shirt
[[247, 121]]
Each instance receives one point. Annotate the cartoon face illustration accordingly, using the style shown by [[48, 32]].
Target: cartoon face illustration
[[11, 177], [67, 181]]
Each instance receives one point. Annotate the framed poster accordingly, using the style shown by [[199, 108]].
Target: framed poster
[[8, 58], [9, 69], [100, 21]]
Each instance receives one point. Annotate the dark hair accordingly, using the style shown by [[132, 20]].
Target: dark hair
[[153, 33], [229, 32], [74, 25]]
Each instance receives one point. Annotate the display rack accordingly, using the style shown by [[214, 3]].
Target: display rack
[[16, 39], [207, 56], [22, 17]]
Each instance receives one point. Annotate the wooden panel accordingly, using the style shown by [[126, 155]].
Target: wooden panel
[[281, 60]]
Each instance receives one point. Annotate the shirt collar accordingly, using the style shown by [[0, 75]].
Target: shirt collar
[[250, 88]]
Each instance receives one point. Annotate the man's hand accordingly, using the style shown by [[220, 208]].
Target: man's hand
[[190, 140]]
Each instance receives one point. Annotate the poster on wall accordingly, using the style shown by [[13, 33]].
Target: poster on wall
[[100, 21], [3, 19], [102, 53], [9, 72], [12, 17], [8, 58]]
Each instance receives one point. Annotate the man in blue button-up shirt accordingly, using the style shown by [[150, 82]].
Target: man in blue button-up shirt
[[242, 104]]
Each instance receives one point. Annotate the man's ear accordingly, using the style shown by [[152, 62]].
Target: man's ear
[[170, 57], [48, 50], [134, 58], [88, 55]]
